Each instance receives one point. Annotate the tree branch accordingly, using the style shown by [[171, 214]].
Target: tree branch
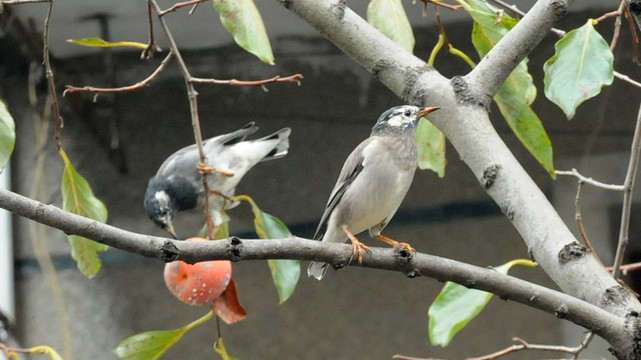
[[488, 76], [561, 305]]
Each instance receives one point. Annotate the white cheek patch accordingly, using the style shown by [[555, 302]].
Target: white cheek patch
[[161, 197], [397, 121]]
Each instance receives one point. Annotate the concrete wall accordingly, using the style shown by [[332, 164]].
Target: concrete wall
[[353, 313]]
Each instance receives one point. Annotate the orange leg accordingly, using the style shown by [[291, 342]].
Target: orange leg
[[357, 246], [395, 243], [204, 169]]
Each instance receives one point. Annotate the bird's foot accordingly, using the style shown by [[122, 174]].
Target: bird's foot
[[207, 170], [357, 246], [404, 249]]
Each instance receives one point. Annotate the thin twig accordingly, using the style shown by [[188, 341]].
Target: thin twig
[[73, 89], [627, 268], [296, 78], [148, 53], [180, 5], [192, 95], [617, 25], [635, 36], [589, 180], [578, 218], [627, 197], [50, 79], [627, 79], [520, 345]]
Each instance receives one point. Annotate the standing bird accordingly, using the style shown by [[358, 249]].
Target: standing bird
[[372, 184], [178, 183]]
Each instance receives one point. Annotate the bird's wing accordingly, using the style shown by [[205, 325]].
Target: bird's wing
[[351, 169], [187, 157]]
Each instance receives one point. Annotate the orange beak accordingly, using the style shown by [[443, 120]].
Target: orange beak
[[427, 110], [171, 232]]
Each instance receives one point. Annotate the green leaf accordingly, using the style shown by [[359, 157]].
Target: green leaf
[[242, 19], [389, 17], [580, 67], [219, 347], [455, 306], [518, 91], [430, 143], [285, 273], [78, 198], [7, 135], [525, 124], [98, 42], [151, 345]]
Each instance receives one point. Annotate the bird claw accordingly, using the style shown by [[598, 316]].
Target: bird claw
[[207, 170], [358, 248]]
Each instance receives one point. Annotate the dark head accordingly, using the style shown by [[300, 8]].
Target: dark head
[[160, 205], [399, 119]]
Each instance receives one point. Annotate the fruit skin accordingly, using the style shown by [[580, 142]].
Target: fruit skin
[[200, 283]]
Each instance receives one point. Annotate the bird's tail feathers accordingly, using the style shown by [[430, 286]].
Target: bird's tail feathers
[[281, 147], [317, 269], [240, 134]]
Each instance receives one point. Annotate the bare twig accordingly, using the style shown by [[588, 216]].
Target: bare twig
[[617, 25], [148, 53], [578, 218], [627, 197], [296, 78], [635, 36], [180, 5], [520, 345], [50, 79], [627, 268], [627, 79], [73, 89], [589, 180]]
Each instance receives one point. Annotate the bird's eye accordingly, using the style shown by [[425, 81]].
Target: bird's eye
[[407, 113]]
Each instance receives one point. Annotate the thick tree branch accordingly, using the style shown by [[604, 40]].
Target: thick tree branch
[[464, 120], [561, 305]]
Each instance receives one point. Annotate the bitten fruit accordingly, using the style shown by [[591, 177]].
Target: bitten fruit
[[200, 283]]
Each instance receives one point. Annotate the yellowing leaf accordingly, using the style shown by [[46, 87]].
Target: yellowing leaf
[[7, 135], [78, 198], [151, 345], [390, 18], [242, 19], [581, 66], [98, 42], [430, 143]]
